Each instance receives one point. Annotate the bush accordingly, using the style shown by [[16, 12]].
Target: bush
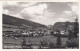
[[72, 43]]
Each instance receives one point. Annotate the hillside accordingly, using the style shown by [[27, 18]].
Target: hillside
[[62, 25], [20, 22]]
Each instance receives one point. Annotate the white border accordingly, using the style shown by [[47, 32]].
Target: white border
[[34, 49]]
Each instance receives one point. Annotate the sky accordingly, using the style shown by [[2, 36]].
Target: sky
[[46, 13]]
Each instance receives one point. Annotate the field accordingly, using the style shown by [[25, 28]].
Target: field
[[12, 43]]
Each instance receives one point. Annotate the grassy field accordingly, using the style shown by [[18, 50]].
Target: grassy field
[[12, 43]]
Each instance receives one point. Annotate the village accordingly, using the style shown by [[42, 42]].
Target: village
[[45, 37]]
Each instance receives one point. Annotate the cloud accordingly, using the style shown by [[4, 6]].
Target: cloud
[[44, 13], [15, 7], [74, 7], [10, 3], [25, 5], [36, 11], [5, 11], [39, 9], [62, 19], [12, 7], [67, 12], [46, 19]]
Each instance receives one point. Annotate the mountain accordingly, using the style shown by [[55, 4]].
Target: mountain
[[62, 25], [7, 19]]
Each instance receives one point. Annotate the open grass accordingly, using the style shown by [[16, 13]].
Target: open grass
[[34, 40]]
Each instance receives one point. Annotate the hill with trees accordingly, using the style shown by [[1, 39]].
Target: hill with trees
[[7, 19]]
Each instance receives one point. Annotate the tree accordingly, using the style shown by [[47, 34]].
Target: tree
[[51, 45], [23, 43], [73, 35], [58, 40], [76, 28], [72, 43]]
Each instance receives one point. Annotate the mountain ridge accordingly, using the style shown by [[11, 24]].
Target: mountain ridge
[[7, 19]]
